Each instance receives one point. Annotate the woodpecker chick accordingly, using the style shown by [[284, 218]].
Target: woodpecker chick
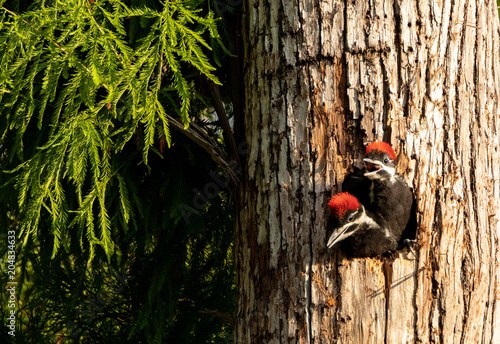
[[358, 185], [357, 231], [380, 164], [389, 196], [380, 161]]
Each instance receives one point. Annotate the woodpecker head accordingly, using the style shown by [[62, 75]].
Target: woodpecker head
[[347, 212], [380, 160]]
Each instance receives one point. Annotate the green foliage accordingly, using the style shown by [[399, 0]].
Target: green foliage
[[165, 276], [104, 255], [76, 84]]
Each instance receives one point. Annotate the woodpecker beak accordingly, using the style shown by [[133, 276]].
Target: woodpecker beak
[[372, 165], [338, 235], [376, 169]]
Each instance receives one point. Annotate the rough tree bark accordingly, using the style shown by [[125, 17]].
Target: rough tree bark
[[322, 78]]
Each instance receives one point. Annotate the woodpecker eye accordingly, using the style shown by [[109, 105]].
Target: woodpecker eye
[[350, 218], [386, 160]]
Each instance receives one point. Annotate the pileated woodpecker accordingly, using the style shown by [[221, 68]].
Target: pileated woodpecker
[[357, 231], [388, 196], [382, 196]]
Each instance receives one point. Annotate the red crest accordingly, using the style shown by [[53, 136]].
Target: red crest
[[381, 147], [342, 202]]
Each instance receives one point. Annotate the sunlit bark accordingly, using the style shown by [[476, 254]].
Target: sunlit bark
[[322, 78]]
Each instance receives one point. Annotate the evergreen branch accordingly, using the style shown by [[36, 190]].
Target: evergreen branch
[[49, 38], [221, 114], [210, 146], [126, 207], [101, 30], [73, 66]]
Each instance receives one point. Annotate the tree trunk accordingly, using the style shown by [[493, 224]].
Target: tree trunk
[[323, 78]]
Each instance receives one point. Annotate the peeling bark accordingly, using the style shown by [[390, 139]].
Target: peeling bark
[[322, 78]]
